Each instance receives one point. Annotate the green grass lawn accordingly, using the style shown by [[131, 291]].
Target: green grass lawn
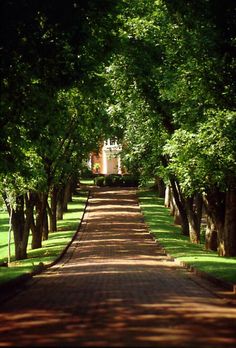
[[161, 224], [52, 247]]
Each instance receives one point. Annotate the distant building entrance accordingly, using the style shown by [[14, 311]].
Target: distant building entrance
[[108, 160]]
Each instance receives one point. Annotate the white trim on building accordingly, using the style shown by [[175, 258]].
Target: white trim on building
[[111, 157]]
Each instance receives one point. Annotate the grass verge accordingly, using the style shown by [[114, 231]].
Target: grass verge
[[52, 248], [161, 225]]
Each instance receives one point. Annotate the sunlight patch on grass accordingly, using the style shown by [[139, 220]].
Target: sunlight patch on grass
[[87, 181]]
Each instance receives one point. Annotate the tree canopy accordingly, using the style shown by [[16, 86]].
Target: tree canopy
[[159, 75]]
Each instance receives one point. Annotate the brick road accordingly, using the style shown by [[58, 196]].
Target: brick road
[[115, 287]]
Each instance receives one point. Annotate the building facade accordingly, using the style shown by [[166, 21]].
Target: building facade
[[108, 160]]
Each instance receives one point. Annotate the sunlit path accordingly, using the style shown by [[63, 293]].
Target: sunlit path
[[115, 287]]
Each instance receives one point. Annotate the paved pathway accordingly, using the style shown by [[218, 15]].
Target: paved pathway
[[115, 287]]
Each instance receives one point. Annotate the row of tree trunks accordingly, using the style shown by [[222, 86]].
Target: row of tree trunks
[[31, 211], [20, 214], [64, 196], [187, 212], [219, 210]]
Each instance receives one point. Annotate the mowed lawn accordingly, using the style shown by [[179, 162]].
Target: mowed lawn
[[161, 225], [52, 248]]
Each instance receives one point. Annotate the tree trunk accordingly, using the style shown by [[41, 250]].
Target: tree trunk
[[160, 186], [37, 235], [72, 188], [181, 206], [172, 203], [194, 213], [174, 211], [211, 242], [228, 247], [214, 202], [167, 196], [45, 224], [52, 211], [74, 184], [177, 217], [60, 203], [20, 228], [66, 196]]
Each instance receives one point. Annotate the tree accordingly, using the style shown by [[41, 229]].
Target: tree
[[46, 47], [181, 71]]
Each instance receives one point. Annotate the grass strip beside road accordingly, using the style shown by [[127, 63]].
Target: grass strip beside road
[[161, 225], [51, 249]]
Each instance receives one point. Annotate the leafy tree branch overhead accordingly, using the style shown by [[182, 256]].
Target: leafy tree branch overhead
[[158, 75]]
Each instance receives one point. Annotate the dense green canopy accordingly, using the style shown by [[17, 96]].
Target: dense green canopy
[[159, 75]]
